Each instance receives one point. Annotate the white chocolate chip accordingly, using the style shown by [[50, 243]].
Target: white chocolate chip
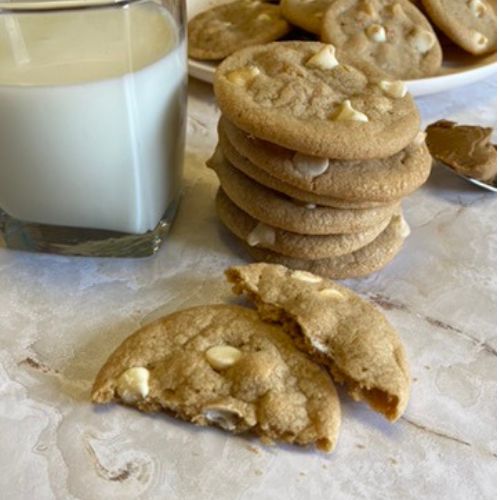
[[222, 356], [376, 33], [331, 292], [419, 138], [479, 39], [405, 228], [261, 233], [306, 277], [320, 346], [422, 40], [347, 112], [243, 76], [264, 17], [223, 417], [323, 59], [310, 166], [394, 89], [133, 384], [477, 7], [309, 206]]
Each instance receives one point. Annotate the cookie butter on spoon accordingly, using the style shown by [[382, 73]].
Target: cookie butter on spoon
[[464, 148]]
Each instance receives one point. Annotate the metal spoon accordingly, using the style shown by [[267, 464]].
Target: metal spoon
[[490, 187], [484, 185]]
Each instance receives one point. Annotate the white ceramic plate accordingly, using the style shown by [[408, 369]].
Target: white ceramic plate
[[458, 69]]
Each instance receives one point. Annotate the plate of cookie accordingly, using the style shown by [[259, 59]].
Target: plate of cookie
[[418, 42]]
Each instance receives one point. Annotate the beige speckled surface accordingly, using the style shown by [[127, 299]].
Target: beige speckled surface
[[61, 317]]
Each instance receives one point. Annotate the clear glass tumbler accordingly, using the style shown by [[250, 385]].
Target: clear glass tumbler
[[92, 124]]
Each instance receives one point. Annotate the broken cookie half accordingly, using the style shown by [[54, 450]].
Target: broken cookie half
[[336, 327], [222, 365]]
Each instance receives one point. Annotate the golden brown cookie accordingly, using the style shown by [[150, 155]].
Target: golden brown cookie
[[297, 95], [362, 262], [300, 246], [222, 365], [381, 180], [263, 177], [336, 327], [390, 39], [471, 24], [221, 30], [278, 210]]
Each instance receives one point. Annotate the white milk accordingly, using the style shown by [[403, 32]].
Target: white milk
[[91, 117]]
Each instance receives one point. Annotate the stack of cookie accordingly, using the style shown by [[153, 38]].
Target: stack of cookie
[[314, 157]]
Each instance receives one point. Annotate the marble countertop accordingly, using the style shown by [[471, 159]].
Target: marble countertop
[[60, 317]]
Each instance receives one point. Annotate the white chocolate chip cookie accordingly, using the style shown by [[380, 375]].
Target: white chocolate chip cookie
[[471, 24], [223, 366], [296, 245], [383, 180], [389, 39], [283, 212], [221, 30], [306, 196], [302, 100], [362, 262], [337, 328]]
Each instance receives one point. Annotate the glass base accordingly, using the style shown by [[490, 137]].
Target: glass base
[[19, 235]]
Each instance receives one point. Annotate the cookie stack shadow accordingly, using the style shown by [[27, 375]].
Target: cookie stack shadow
[[337, 217]]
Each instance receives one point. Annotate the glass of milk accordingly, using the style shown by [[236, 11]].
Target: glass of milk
[[92, 124]]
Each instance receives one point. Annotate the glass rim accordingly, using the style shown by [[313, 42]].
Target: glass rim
[[30, 6]]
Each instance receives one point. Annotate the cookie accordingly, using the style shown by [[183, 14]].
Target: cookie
[[279, 211], [390, 39], [221, 365], [337, 328], [306, 14], [381, 180], [362, 262], [300, 246], [471, 24], [297, 95], [465, 148], [262, 177], [220, 31]]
